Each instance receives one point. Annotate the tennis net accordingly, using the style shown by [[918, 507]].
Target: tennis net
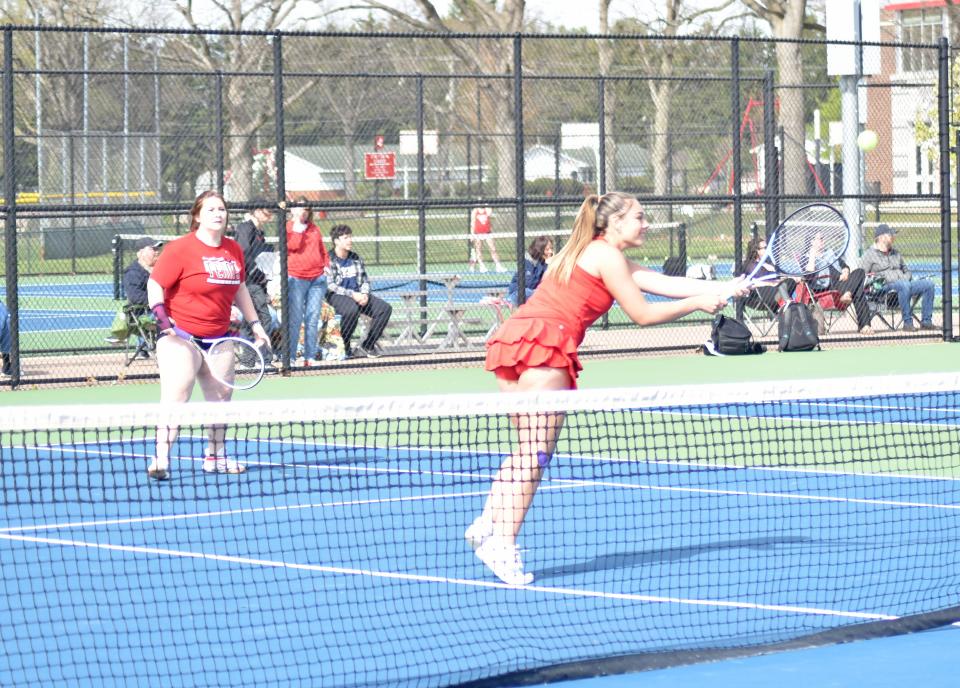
[[673, 524]]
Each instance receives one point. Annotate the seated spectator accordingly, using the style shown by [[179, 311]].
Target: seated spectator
[[848, 283], [5, 338], [134, 283], [769, 295], [535, 262], [882, 261], [350, 295]]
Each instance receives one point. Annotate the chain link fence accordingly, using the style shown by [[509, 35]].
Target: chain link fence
[[109, 135]]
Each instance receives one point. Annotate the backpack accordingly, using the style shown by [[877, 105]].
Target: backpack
[[675, 266], [797, 328], [730, 337]]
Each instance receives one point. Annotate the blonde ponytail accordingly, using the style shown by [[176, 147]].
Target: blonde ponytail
[[591, 221]]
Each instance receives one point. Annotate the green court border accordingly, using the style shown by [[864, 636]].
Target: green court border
[[894, 358]]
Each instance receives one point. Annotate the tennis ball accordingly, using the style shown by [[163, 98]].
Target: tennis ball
[[867, 140]]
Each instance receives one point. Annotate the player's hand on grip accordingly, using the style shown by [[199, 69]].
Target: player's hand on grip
[[711, 302], [738, 286]]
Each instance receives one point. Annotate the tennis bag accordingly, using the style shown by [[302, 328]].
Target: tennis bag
[[730, 337], [797, 328], [675, 266]]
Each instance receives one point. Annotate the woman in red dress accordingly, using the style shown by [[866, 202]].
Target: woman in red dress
[[191, 290], [480, 228], [536, 350]]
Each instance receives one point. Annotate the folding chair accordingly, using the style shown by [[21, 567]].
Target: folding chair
[[759, 314], [825, 304], [885, 305], [140, 324]]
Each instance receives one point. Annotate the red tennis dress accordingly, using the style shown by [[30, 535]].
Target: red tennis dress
[[547, 329], [481, 221]]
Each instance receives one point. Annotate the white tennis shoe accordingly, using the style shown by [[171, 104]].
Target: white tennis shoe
[[158, 470], [222, 465], [479, 530], [504, 560]]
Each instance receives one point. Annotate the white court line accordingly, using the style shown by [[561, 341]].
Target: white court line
[[777, 495], [418, 578], [268, 509], [602, 483], [700, 464]]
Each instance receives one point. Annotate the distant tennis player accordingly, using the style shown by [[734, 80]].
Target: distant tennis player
[[536, 350], [191, 289]]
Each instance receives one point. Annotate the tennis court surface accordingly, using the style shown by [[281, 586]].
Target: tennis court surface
[[676, 521]]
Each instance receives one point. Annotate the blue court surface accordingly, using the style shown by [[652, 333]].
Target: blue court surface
[[338, 559]]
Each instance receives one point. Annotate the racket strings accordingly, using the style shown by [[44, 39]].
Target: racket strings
[[236, 363], [809, 241]]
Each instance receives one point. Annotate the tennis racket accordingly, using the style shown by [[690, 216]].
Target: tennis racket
[[807, 242], [233, 361]]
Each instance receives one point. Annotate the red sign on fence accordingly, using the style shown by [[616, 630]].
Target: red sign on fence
[[381, 165]]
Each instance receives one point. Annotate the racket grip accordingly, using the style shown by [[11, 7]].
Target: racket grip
[[183, 334]]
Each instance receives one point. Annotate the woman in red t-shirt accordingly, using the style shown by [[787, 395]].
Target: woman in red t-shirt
[[307, 265], [480, 226], [191, 289], [536, 350]]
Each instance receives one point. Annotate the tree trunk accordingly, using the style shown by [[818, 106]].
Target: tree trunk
[[790, 67], [662, 96], [239, 154], [349, 162], [605, 55], [789, 60]]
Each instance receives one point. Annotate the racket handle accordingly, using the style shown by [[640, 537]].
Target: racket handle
[[266, 351]]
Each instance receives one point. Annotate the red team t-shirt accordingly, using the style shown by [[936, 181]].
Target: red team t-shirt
[[200, 283]]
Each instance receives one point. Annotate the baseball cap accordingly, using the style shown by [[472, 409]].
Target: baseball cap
[[884, 229], [143, 242]]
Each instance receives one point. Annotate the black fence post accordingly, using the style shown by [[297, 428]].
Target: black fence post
[[288, 350], [737, 163], [557, 142], [770, 167], [781, 168], [519, 167], [218, 113], [943, 114], [602, 142], [117, 265], [469, 190], [10, 200], [421, 207]]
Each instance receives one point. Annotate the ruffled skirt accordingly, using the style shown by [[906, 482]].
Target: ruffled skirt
[[523, 343]]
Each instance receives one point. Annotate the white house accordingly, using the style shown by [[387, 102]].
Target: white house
[[539, 162]]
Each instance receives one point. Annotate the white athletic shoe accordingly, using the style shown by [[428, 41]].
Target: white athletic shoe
[[222, 465], [504, 560], [500, 268], [482, 268], [479, 530], [158, 470]]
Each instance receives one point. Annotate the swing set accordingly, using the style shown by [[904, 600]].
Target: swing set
[[748, 129]]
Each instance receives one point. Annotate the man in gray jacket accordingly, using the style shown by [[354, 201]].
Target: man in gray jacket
[[884, 261]]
